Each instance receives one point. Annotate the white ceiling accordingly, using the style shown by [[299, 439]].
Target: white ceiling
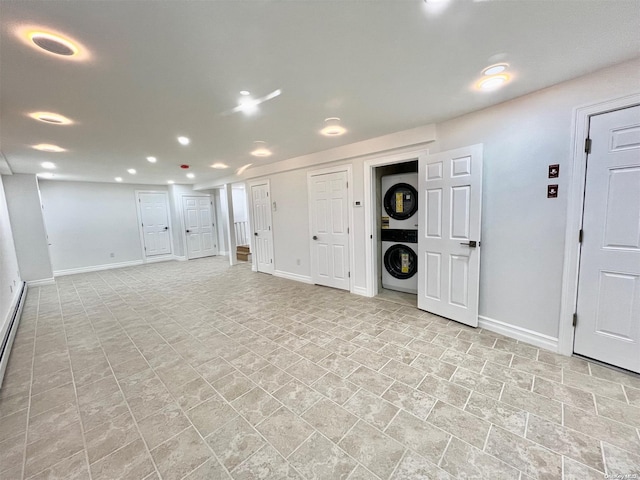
[[159, 69]]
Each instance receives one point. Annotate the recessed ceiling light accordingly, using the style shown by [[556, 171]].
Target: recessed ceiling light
[[191, 175], [244, 92], [219, 165], [243, 168], [132, 171], [152, 159], [495, 69], [170, 182], [48, 165], [261, 149], [49, 117], [47, 147], [184, 140], [492, 82], [118, 179], [46, 175], [52, 43], [332, 127]]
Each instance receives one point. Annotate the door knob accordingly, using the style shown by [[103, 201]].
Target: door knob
[[255, 233], [314, 237], [166, 228], [188, 231], [470, 244]]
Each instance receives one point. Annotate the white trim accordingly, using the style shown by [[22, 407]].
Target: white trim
[[371, 234], [95, 268], [293, 276], [324, 171], [254, 258], [140, 227], [180, 258], [523, 334], [360, 291], [10, 327], [42, 282], [575, 196], [159, 258]]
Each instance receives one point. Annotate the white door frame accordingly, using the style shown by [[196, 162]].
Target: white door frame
[[371, 233], [247, 191], [575, 206], [324, 171], [183, 226], [155, 258]]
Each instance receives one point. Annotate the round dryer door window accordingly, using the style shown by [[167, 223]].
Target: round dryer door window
[[401, 261], [401, 201]]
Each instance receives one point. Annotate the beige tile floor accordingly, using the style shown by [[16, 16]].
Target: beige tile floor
[[196, 370]]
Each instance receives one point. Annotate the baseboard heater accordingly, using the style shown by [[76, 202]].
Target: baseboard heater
[[10, 334]]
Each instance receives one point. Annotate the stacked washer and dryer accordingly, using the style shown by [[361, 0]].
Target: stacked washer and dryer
[[399, 233]]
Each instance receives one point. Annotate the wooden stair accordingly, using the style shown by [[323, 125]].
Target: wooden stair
[[243, 252]]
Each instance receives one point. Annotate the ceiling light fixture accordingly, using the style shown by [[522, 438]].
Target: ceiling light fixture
[[261, 149], [219, 165], [52, 43], [49, 117], [47, 147], [241, 170], [118, 179], [170, 182], [191, 175], [244, 92], [184, 140], [332, 127], [493, 82], [132, 171], [495, 69], [152, 159], [46, 175], [48, 165]]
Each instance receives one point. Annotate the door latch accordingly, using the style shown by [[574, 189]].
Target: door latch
[[470, 244]]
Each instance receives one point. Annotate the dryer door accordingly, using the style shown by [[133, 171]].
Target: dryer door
[[401, 201], [401, 261]]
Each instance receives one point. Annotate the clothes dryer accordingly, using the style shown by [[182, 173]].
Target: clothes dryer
[[400, 260], [400, 201]]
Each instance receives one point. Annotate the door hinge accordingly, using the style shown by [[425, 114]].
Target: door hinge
[[575, 319], [371, 237], [142, 224], [587, 145], [347, 184], [580, 236], [272, 260], [349, 274], [269, 227], [267, 194], [347, 229]]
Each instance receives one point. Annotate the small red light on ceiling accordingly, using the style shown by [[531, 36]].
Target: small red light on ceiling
[[184, 166]]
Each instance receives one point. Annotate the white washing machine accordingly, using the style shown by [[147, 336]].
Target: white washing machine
[[400, 260], [400, 201]]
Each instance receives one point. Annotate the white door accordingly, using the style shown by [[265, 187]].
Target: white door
[[198, 223], [154, 220], [262, 234], [450, 197], [608, 309], [329, 208]]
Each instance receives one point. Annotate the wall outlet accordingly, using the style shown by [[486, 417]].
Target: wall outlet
[[112, 254]]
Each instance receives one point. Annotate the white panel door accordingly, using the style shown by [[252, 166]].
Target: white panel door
[[608, 309], [450, 196], [328, 199], [198, 223], [154, 217], [262, 234]]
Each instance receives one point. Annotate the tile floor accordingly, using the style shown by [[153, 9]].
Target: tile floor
[[193, 370]]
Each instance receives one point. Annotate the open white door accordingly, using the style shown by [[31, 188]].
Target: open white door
[[262, 247], [608, 308], [154, 223], [329, 211], [198, 222], [450, 197]]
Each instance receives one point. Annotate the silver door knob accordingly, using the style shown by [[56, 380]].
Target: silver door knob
[[314, 237]]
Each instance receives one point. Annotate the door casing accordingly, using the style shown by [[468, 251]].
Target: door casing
[[575, 207]]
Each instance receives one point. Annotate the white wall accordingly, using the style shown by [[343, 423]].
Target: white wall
[[87, 222], [10, 281], [523, 231], [239, 203], [27, 224], [220, 206]]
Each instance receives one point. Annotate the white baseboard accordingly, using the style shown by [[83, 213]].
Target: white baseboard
[[180, 258], [360, 291], [254, 267], [42, 282], [10, 327], [96, 268], [293, 276], [529, 336], [223, 253], [162, 258]]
